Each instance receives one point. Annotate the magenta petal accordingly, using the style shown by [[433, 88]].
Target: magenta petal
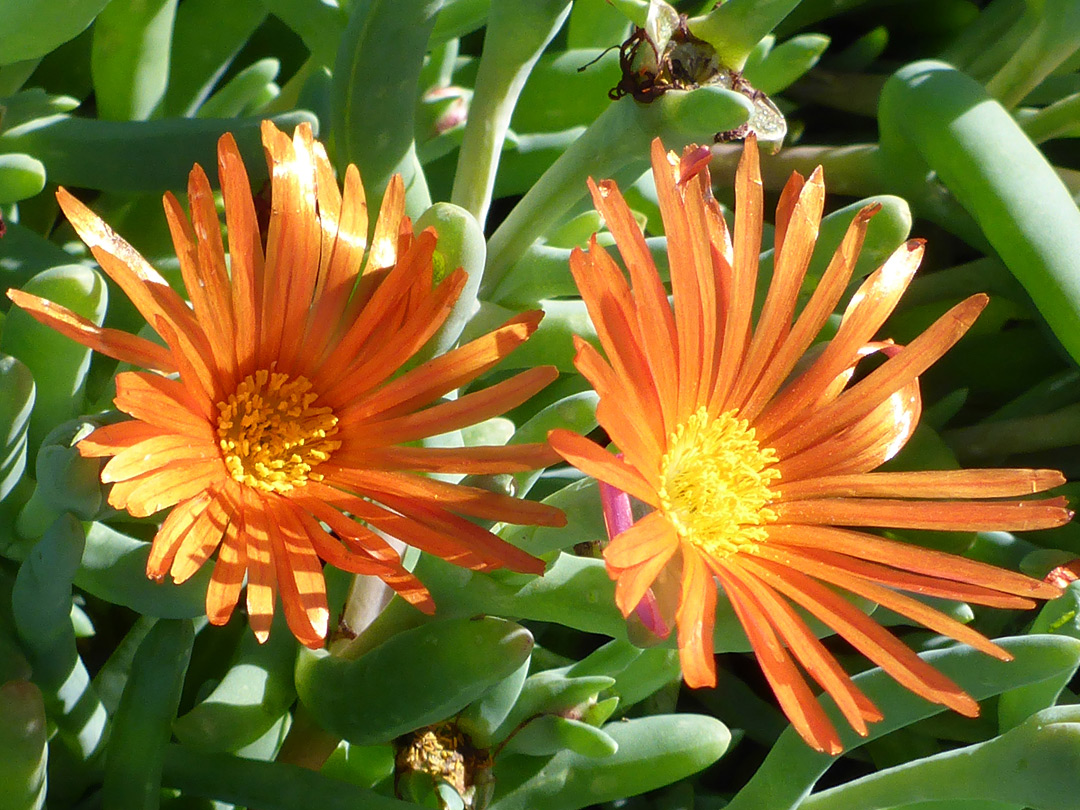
[[618, 517]]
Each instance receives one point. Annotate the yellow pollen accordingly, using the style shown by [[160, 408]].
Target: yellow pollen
[[715, 483], [272, 435]]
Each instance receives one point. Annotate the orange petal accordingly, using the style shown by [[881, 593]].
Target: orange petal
[[108, 440], [157, 453], [148, 291], [637, 439], [826, 295], [866, 312], [156, 491], [821, 567], [872, 640], [111, 342], [598, 463], [941, 587], [387, 299], [205, 386], [511, 458], [650, 536], [297, 244], [695, 619], [880, 384], [324, 503], [749, 220], [391, 213], [202, 538], [951, 516], [172, 533], [299, 577], [655, 319], [161, 402], [467, 410], [380, 362], [811, 653], [224, 590], [925, 484], [792, 259], [690, 261], [611, 308], [791, 690], [863, 446], [912, 558], [245, 251], [427, 382], [262, 582], [461, 533], [632, 583]]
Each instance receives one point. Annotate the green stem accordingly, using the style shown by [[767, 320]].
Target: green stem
[[1058, 120], [1027, 434], [618, 138], [735, 27], [516, 36], [1055, 37]]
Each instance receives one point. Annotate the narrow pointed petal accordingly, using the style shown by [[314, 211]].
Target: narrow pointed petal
[[111, 342], [826, 295], [109, 440], [594, 461], [695, 619], [867, 311], [791, 261], [880, 384], [872, 640], [655, 319], [811, 653], [926, 484], [650, 536], [300, 578], [791, 690], [172, 533], [262, 580], [749, 220], [427, 382], [950, 516], [161, 402], [633, 582], [471, 460], [166, 488], [458, 413], [246, 259], [224, 590], [202, 539], [154, 454], [913, 558]]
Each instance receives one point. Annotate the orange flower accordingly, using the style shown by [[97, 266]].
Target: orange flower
[[286, 416], [753, 462]]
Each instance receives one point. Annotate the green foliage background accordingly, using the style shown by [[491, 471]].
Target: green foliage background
[[959, 117]]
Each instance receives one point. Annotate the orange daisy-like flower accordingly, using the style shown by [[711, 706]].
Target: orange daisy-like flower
[[286, 416], [755, 465]]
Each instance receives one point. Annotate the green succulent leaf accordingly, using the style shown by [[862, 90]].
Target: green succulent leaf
[[414, 679]]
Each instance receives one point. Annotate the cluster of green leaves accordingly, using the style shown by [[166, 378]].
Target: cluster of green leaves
[[954, 116]]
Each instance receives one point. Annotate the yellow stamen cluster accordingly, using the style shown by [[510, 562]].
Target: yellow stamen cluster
[[715, 483], [271, 434]]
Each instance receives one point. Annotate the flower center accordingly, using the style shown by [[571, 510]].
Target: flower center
[[271, 434], [715, 483]]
